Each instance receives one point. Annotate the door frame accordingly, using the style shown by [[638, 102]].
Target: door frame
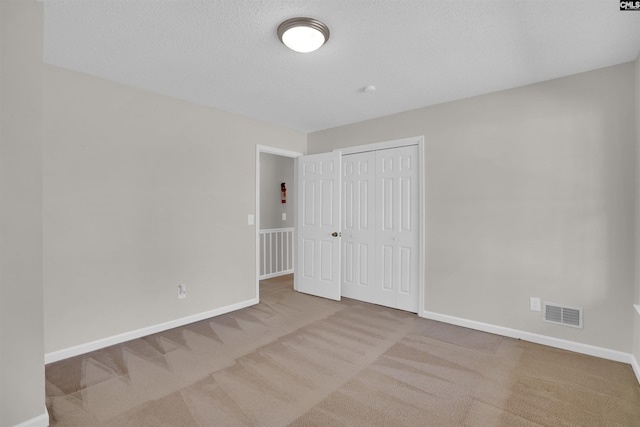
[[279, 152], [419, 141]]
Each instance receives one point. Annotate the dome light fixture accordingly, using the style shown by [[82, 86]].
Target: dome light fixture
[[303, 34]]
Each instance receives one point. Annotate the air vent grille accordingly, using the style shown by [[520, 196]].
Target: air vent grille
[[563, 315]]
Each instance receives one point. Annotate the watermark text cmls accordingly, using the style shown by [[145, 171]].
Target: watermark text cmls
[[629, 5]]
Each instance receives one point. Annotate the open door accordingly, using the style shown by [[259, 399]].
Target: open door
[[318, 214]]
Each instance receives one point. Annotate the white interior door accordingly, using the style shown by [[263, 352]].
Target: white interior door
[[380, 242], [318, 225], [358, 227], [397, 219]]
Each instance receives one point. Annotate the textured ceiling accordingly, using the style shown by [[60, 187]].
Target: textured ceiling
[[225, 54]]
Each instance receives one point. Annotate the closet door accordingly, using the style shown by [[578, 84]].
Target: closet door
[[358, 227], [380, 234], [397, 226]]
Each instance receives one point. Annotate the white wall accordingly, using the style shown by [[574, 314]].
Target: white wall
[[22, 394], [143, 192], [636, 318], [529, 192], [274, 170]]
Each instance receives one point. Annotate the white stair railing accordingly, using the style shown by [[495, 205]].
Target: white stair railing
[[276, 252]]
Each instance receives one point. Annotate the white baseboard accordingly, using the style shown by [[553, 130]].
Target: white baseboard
[[41, 420], [278, 274], [127, 336], [587, 349]]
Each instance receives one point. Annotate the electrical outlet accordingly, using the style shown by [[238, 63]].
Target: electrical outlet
[[284, 216], [182, 291], [534, 304]]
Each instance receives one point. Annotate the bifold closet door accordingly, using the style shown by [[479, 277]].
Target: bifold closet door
[[397, 225], [358, 227], [380, 227]]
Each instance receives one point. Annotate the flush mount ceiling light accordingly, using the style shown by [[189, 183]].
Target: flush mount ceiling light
[[303, 34]]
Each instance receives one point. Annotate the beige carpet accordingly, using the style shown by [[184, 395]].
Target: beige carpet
[[299, 360]]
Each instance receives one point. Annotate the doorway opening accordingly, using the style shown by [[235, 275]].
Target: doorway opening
[[275, 213]]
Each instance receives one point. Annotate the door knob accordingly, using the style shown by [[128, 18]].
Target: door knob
[[336, 234]]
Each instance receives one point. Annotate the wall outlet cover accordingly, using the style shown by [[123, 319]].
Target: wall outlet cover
[[534, 304]]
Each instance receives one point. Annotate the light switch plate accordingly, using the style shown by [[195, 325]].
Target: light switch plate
[[250, 219], [284, 216], [182, 291]]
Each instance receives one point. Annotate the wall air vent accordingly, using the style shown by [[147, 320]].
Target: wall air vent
[[562, 315]]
